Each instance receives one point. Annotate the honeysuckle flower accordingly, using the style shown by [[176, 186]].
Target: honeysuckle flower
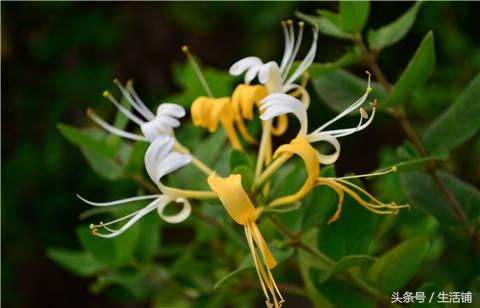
[[207, 112], [341, 185], [152, 125], [279, 104], [160, 160], [278, 78], [241, 209]]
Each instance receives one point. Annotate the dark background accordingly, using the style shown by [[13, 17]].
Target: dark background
[[58, 58]]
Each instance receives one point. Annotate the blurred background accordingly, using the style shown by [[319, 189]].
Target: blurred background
[[57, 59]]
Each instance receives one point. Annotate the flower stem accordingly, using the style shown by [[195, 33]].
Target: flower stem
[[266, 135], [270, 170], [197, 162]]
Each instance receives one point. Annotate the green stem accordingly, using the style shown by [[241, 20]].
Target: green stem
[[407, 127]]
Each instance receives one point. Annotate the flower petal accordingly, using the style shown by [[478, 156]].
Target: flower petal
[[176, 218], [244, 64]]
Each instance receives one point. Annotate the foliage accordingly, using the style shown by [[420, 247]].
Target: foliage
[[207, 263]]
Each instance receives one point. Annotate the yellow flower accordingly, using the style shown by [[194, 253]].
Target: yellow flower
[[241, 209], [208, 112], [341, 185], [302, 148]]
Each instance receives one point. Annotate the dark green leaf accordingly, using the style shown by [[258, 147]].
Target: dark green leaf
[[419, 69], [354, 15], [85, 139], [422, 192], [78, 262], [325, 26], [352, 56], [343, 265], [311, 269], [415, 163], [394, 31], [238, 158], [247, 175], [100, 248], [318, 204], [395, 268], [339, 89], [459, 122], [351, 234], [148, 238]]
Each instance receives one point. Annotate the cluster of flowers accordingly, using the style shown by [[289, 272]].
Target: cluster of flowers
[[276, 93]]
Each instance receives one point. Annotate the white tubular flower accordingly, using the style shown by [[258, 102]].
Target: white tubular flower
[[279, 103], [278, 78], [160, 160], [151, 125]]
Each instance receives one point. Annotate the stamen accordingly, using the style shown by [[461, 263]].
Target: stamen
[[141, 109], [352, 107], [392, 169], [111, 129], [122, 109], [295, 51], [363, 113], [197, 70]]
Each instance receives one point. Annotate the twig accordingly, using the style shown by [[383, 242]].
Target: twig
[[407, 127]]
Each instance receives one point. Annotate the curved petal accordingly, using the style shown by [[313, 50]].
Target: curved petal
[[155, 155], [244, 64], [326, 159], [176, 218], [171, 109], [302, 148], [280, 103]]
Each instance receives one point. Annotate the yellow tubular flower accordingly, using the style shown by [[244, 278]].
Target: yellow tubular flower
[[302, 148], [207, 112], [242, 211], [244, 99]]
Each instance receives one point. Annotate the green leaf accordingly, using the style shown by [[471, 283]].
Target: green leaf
[[238, 158], [307, 264], [394, 31], [281, 255], [352, 56], [415, 163], [458, 123], [354, 15], [422, 192], [247, 175], [136, 160], [85, 139], [348, 262], [113, 252], [148, 239], [77, 262], [419, 69], [351, 234], [340, 89], [101, 249], [325, 26], [220, 83], [344, 264], [317, 205], [396, 268]]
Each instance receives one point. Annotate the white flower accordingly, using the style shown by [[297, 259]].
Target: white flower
[[160, 160], [279, 104], [151, 125], [277, 78]]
